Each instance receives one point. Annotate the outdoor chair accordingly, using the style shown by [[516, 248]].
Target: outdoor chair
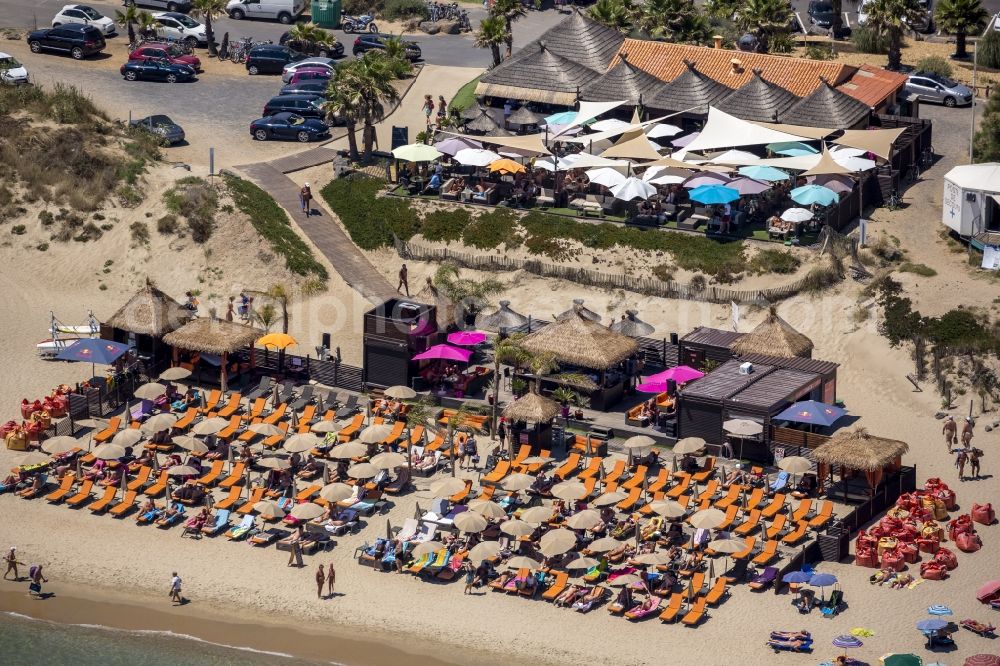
[[263, 388], [349, 408], [546, 198], [305, 397]]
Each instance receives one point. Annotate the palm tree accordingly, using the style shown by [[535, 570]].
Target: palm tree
[[468, 294], [615, 14], [127, 19], [890, 18], [343, 104], [491, 34], [209, 10], [763, 18], [266, 315], [509, 11], [372, 82], [312, 34], [147, 24], [674, 20], [960, 17], [395, 51]]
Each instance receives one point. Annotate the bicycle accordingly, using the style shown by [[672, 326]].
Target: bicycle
[[894, 202]]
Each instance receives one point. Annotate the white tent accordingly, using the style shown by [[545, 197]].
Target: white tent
[[612, 133], [741, 157], [588, 161], [722, 130], [610, 124], [590, 110], [972, 198]]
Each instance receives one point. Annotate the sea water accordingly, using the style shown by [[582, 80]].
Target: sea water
[[26, 641]]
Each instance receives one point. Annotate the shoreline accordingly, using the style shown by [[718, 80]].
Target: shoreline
[[73, 604]]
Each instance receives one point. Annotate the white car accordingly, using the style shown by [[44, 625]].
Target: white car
[[316, 62], [11, 71], [85, 15], [180, 27], [863, 12]]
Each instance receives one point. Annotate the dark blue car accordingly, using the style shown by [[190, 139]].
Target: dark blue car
[[289, 126], [157, 70]]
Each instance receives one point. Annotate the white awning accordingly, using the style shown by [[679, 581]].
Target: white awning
[[984, 177], [722, 130], [590, 110]]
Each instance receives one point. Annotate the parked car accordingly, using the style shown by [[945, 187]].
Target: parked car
[[75, 39], [288, 126], [368, 42], [165, 51], [334, 50], [162, 126], [310, 74], [181, 28], [156, 70], [12, 72], [312, 63], [84, 15], [309, 106], [270, 59], [929, 87], [821, 13], [313, 87], [183, 6], [283, 11]]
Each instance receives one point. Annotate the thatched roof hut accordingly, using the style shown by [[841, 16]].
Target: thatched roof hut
[[537, 74], [624, 81], [860, 451], [472, 111], [531, 408], [578, 309], [582, 342], [691, 92], [632, 326], [482, 123], [149, 312], [828, 107], [504, 317], [775, 337], [525, 116], [760, 100], [213, 336]]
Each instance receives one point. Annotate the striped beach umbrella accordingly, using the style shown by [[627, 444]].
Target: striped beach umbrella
[[847, 642], [938, 609]]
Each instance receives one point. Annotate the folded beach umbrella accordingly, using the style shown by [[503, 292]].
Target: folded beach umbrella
[[795, 464], [192, 444], [349, 450], [374, 434], [742, 427], [633, 188], [609, 498], [336, 492], [416, 152], [517, 481], [568, 490], [624, 580], [506, 165], [476, 157], [452, 145], [467, 338], [604, 544], [60, 444], [487, 509], [274, 463], [150, 391], [814, 194], [668, 509], [748, 186], [707, 519], [689, 445], [426, 548], [362, 471], [34, 458], [389, 460], [158, 423], [714, 194], [127, 437], [182, 470], [523, 562], [796, 577], [605, 176], [811, 412], [109, 452], [470, 521], [323, 427], [306, 511], [93, 350], [175, 374], [210, 426], [269, 509], [447, 487], [758, 172], [301, 442], [557, 542], [265, 429], [484, 551], [796, 215], [444, 352], [581, 562], [537, 514], [583, 520], [938, 609], [933, 624]]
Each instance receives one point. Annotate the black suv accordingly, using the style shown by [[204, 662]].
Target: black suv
[[74, 38], [334, 50], [270, 59], [376, 41], [307, 106]]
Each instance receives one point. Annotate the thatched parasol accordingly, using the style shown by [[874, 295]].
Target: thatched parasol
[[775, 337], [857, 449], [579, 341], [578, 308], [531, 408], [472, 111], [504, 317], [213, 336], [524, 116], [149, 312], [632, 326], [482, 123], [447, 313]]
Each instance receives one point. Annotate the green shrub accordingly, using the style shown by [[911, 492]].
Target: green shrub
[[370, 220], [867, 40], [396, 10], [819, 52], [935, 65], [493, 229], [988, 49], [358, 7], [140, 234], [88, 232], [774, 261], [664, 272], [196, 201], [918, 269], [272, 223], [446, 225], [46, 218], [167, 224], [956, 328], [18, 229], [129, 196], [42, 247], [781, 42], [553, 248]]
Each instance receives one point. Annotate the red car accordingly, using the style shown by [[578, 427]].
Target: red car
[[161, 51], [310, 74]]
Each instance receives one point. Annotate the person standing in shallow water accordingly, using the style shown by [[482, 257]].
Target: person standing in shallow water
[[331, 579], [320, 581], [11, 559]]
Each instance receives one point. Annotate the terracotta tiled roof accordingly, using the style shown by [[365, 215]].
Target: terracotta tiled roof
[[666, 61], [873, 85]]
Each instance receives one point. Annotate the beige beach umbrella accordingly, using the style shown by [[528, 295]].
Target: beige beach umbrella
[[127, 437], [60, 444], [182, 470], [795, 464], [667, 508], [400, 393], [34, 458], [609, 498], [484, 551], [426, 548], [517, 481], [210, 426], [306, 511], [523, 562], [265, 429], [150, 391], [192, 444], [158, 423], [652, 559], [538, 514], [375, 434], [471, 522], [325, 427], [707, 519], [269, 509], [175, 374], [487, 509], [362, 471], [689, 445], [569, 490], [109, 451], [584, 520], [447, 487], [274, 463], [557, 542], [727, 546], [348, 450], [639, 442], [604, 545], [517, 528], [582, 562], [622, 581], [742, 427], [301, 442], [389, 460], [336, 492]]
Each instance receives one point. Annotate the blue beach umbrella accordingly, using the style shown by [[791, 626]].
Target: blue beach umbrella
[[93, 350], [823, 580], [563, 118], [791, 148], [767, 173], [714, 194], [796, 577], [938, 609], [812, 412], [814, 194], [932, 624]]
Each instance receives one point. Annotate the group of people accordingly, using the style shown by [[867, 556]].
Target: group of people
[[966, 454], [35, 575]]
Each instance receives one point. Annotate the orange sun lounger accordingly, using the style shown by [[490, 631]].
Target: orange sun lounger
[[232, 498], [102, 504], [772, 509], [718, 591], [108, 432], [213, 474], [124, 506], [749, 524], [234, 477], [731, 497], [83, 494], [212, 401], [65, 488], [498, 473], [670, 613], [568, 467], [777, 526], [802, 510], [823, 516], [140, 479], [615, 473], [247, 507], [557, 586], [159, 487], [184, 422], [696, 613], [232, 406], [352, 429], [797, 534], [756, 496], [660, 482], [769, 552], [591, 470], [636, 479]]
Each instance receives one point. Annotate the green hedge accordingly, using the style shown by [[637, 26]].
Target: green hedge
[[445, 225], [493, 229], [271, 221], [396, 10], [370, 220]]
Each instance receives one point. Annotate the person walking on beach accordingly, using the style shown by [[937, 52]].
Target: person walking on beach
[[967, 432], [229, 309], [502, 433], [975, 455], [305, 198], [963, 457], [428, 109], [175, 589], [470, 578], [320, 581], [950, 432], [442, 109], [331, 579], [35, 586], [11, 559], [295, 554], [404, 283]]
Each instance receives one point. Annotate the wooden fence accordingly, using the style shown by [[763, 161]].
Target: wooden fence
[[331, 372], [601, 279]]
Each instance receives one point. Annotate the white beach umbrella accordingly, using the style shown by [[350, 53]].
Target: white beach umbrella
[[845, 151], [175, 374], [604, 545], [689, 445], [742, 427], [60, 444], [301, 442], [447, 487], [487, 509], [306, 511], [182, 470], [609, 498], [855, 164], [633, 188], [484, 551], [588, 161], [550, 164], [610, 125], [127, 437], [400, 392], [150, 391], [470, 521], [336, 492], [652, 559], [666, 179], [622, 581], [605, 176], [210, 426], [582, 562], [348, 450], [269, 509], [325, 427], [375, 434], [727, 546], [583, 520], [517, 481], [362, 471], [538, 514], [516, 528], [796, 215], [569, 490], [795, 464], [557, 542], [523, 562], [192, 444], [639, 442], [33, 458], [265, 429], [158, 423], [707, 519], [274, 463], [426, 548], [479, 157], [109, 452], [662, 130], [741, 157], [389, 460], [667, 508]]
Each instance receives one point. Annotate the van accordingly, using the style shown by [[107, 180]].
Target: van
[[284, 11]]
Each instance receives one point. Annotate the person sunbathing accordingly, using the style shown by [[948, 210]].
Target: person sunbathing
[[586, 602], [220, 452], [901, 581], [734, 475], [426, 461], [789, 645], [568, 597], [199, 521], [34, 487], [791, 635]]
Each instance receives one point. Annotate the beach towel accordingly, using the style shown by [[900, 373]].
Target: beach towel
[[861, 632]]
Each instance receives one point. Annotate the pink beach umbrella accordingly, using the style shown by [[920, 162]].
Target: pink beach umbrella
[[467, 338], [445, 353], [652, 387], [682, 374], [747, 186], [706, 179]]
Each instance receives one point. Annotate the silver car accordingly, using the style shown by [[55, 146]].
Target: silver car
[[933, 88]]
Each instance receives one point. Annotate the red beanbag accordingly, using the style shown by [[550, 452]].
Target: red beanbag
[[968, 542], [984, 514], [947, 558], [933, 571]]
